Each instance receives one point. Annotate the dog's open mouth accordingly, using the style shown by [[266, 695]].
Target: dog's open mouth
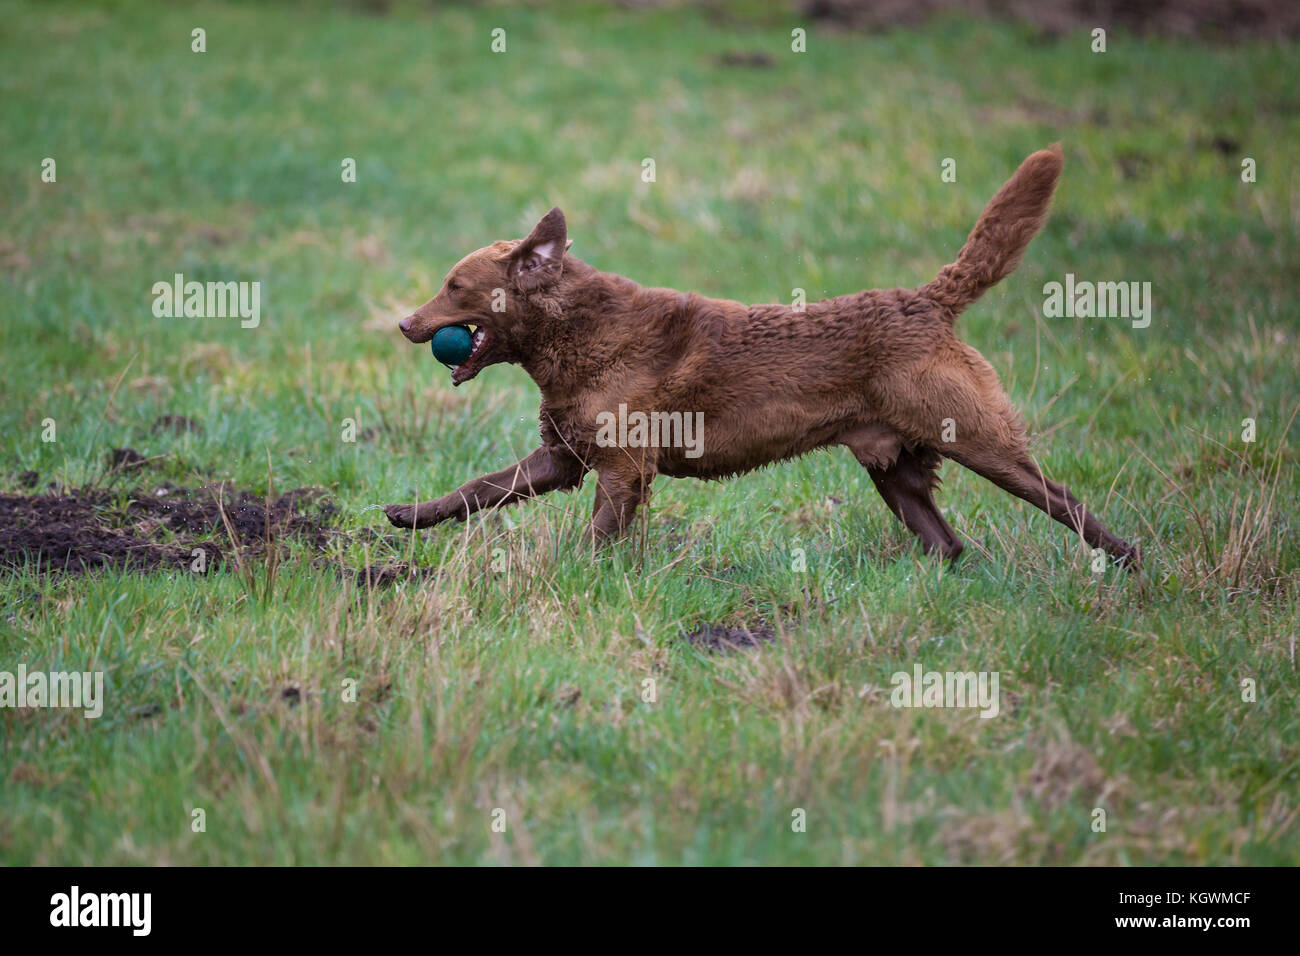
[[479, 357]]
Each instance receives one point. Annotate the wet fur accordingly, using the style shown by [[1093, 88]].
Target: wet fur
[[877, 372]]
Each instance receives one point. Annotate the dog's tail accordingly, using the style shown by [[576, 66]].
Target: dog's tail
[[994, 247]]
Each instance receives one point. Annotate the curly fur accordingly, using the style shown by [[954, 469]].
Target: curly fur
[[879, 372]]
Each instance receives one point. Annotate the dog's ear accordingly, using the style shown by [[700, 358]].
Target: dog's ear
[[538, 261]]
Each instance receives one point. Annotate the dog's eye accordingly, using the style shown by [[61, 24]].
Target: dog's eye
[[453, 287]]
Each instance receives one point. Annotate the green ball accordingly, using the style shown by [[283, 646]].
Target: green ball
[[452, 345]]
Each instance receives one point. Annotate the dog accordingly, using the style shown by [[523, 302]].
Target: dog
[[879, 372]]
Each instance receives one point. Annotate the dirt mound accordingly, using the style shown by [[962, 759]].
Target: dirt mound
[[719, 637], [1208, 19], [145, 530]]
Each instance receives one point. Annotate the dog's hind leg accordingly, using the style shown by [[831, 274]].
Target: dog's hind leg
[[908, 488], [905, 479], [1014, 471], [973, 422]]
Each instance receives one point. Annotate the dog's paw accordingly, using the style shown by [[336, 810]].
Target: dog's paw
[[403, 516], [1132, 559]]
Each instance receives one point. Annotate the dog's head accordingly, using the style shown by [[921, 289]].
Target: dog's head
[[489, 291]]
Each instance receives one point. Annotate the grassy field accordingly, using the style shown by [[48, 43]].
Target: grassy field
[[508, 684]]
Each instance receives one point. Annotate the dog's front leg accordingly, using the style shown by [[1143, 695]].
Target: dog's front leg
[[546, 469], [621, 487]]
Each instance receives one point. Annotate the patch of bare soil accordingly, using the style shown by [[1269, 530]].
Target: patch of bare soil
[[81, 530], [719, 637], [386, 575], [1230, 20]]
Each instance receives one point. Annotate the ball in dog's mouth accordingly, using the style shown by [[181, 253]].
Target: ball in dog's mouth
[[452, 344], [456, 347]]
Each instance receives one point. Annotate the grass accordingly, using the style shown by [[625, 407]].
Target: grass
[[512, 678]]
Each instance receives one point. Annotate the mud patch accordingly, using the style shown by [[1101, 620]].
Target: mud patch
[[1222, 20], [385, 575], [718, 637], [119, 458], [147, 530], [304, 513]]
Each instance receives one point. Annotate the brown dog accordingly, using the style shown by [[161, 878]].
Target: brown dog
[[879, 372]]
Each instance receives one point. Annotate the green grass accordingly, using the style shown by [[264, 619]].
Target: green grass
[[522, 689]]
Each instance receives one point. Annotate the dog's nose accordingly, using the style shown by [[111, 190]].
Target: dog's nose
[[405, 324]]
